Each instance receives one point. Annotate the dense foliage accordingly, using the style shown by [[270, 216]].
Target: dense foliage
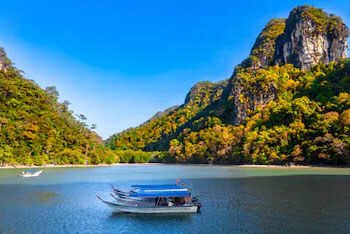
[[135, 156], [264, 46], [324, 22], [284, 114], [155, 135], [307, 122], [36, 129]]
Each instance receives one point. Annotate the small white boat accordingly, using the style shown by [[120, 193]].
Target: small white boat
[[167, 198], [31, 173]]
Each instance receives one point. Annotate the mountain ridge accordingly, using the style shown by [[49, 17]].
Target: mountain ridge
[[285, 52]]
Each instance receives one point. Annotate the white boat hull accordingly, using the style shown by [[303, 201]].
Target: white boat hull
[[32, 175], [151, 210]]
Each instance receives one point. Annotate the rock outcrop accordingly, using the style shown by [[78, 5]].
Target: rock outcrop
[[311, 36], [5, 62], [307, 37]]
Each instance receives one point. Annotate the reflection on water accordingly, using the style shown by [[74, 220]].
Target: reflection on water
[[152, 217], [234, 200], [41, 197]]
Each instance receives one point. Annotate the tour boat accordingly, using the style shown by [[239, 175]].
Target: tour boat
[[166, 198], [31, 173]]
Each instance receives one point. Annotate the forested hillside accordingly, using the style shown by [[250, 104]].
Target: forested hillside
[[36, 129], [289, 101], [155, 135]]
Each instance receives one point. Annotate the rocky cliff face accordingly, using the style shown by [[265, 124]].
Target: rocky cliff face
[[5, 62], [311, 36], [307, 37], [245, 101]]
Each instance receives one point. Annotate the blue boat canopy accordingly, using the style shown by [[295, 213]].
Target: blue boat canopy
[[31, 171], [158, 186], [160, 193]]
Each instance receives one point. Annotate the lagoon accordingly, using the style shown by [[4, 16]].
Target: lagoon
[[235, 199]]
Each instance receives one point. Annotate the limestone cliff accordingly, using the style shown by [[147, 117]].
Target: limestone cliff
[[311, 36], [307, 37], [5, 62]]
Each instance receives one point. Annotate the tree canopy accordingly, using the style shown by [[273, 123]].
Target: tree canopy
[[307, 122], [36, 129]]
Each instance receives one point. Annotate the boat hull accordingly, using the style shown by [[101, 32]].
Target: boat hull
[[151, 210], [32, 175]]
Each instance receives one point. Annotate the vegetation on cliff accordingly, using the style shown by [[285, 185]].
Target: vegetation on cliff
[[36, 129], [308, 122], [288, 114], [263, 50], [155, 135], [324, 22]]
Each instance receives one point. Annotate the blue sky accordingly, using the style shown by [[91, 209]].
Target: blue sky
[[119, 62]]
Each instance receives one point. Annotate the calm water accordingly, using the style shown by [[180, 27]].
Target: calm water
[[248, 200]]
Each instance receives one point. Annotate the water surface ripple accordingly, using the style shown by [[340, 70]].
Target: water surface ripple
[[240, 200]]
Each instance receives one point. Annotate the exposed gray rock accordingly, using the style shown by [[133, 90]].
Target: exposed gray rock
[[310, 36], [245, 101], [306, 42], [5, 62]]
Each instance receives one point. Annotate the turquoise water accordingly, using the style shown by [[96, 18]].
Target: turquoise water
[[243, 200]]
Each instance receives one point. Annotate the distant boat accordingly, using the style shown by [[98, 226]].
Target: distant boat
[[31, 173], [166, 198]]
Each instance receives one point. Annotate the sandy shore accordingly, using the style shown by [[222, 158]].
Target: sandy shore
[[278, 166], [136, 164], [51, 165], [73, 165]]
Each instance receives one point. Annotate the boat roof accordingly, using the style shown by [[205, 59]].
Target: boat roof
[[162, 193], [157, 186], [32, 170]]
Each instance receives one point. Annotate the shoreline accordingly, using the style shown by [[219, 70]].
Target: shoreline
[[168, 164], [72, 165]]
